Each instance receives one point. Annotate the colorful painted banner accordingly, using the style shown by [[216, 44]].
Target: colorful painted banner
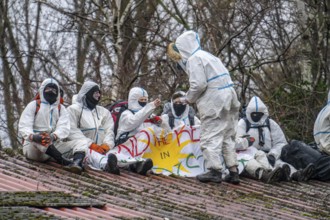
[[176, 152]]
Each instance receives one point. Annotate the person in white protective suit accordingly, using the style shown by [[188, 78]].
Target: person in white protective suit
[[137, 117], [211, 88], [91, 129], [269, 140], [43, 124], [179, 114], [322, 129]]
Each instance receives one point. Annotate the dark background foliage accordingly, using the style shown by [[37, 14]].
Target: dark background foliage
[[275, 49]]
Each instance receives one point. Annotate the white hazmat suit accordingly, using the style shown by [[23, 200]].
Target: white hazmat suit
[[89, 126], [322, 128], [211, 88], [49, 118], [129, 125], [132, 120], [269, 140]]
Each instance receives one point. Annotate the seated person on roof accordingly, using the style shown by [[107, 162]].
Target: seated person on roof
[[44, 123], [267, 141], [301, 155], [91, 129], [138, 115]]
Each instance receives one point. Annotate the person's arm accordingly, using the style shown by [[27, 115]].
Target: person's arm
[[241, 141], [108, 125], [26, 121], [75, 132], [278, 139], [323, 140], [63, 124], [197, 79], [129, 121]]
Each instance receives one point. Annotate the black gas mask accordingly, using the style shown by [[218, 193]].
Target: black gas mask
[[91, 99], [256, 116], [50, 93], [179, 109], [142, 103]]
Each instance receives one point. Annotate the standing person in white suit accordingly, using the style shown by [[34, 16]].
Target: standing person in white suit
[[44, 123], [211, 88]]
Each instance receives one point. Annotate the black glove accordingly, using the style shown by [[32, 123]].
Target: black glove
[[53, 137], [271, 160], [42, 139]]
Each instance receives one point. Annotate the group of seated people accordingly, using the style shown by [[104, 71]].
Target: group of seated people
[[83, 133]]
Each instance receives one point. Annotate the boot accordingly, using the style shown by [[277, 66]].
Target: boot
[[77, 166], [232, 177], [273, 176], [112, 166], [54, 153], [285, 173], [211, 176], [304, 174], [143, 166]]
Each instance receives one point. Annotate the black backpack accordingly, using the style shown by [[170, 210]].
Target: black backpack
[[259, 127], [116, 109]]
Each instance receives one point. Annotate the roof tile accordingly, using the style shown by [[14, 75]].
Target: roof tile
[[157, 197]]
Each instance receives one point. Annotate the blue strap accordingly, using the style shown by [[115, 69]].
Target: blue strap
[[195, 51], [225, 87], [51, 118], [199, 44], [88, 129], [256, 100], [178, 118], [322, 132], [217, 76], [142, 92]]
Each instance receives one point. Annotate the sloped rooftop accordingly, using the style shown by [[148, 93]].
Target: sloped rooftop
[[32, 190]]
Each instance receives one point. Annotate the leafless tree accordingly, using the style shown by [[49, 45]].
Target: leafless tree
[[275, 49]]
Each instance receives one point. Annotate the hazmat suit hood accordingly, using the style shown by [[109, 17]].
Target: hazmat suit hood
[[133, 97], [256, 105], [81, 98], [187, 44], [185, 112], [44, 85]]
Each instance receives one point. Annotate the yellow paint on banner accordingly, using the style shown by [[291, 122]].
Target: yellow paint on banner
[[166, 151]]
